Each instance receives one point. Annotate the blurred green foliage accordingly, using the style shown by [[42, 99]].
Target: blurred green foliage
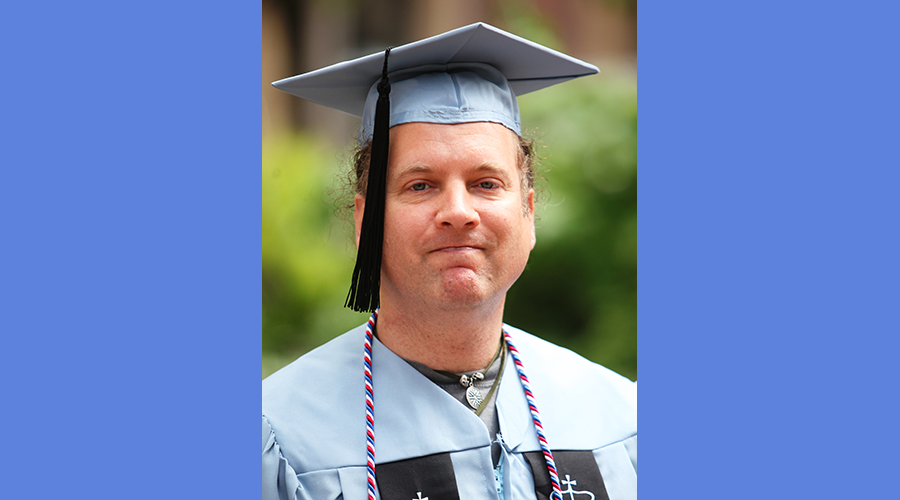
[[307, 253], [579, 289]]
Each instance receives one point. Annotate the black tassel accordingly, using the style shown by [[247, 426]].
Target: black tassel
[[364, 293]]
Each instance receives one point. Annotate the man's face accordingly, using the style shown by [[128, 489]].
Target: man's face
[[458, 224]]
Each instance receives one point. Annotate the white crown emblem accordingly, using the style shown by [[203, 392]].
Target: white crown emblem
[[572, 492]]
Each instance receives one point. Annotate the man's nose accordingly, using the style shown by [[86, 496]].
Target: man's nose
[[457, 209]]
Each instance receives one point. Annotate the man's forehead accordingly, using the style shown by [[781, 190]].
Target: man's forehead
[[484, 144], [481, 132]]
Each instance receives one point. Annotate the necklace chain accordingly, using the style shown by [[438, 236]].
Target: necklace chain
[[473, 396], [370, 412]]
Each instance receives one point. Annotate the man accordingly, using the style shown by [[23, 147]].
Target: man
[[459, 405]]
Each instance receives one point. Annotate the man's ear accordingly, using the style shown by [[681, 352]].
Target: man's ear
[[359, 207], [530, 216]]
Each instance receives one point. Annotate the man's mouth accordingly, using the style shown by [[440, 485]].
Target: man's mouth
[[457, 248]]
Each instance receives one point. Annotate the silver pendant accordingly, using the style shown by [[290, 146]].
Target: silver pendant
[[474, 397]]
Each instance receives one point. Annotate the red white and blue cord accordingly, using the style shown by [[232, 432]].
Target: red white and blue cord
[[370, 407], [370, 412], [536, 416]]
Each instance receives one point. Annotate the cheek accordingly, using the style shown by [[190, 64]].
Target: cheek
[[402, 226], [399, 219], [512, 222]]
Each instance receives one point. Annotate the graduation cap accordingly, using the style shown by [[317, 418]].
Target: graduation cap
[[470, 74]]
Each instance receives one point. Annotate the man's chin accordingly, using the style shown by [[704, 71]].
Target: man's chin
[[463, 288]]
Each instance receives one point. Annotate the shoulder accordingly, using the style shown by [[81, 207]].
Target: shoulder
[[562, 366], [577, 394], [305, 404], [323, 362]]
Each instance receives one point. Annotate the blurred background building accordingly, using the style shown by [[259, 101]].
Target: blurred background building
[[303, 35], [579, 288]]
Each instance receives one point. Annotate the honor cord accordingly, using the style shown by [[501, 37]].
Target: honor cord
[[370, 412]]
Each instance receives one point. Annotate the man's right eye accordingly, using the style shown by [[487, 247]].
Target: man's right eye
[[421, 186]]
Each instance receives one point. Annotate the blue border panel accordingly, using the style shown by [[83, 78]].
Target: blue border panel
[[130, 196], [768, 249]]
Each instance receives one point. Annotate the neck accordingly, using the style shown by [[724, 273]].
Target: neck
[[451, 341]]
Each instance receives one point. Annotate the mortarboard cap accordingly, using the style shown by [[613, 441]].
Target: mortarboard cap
[[470, 74], [488, 52]]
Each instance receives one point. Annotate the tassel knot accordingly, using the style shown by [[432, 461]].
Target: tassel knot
[[384, 86]]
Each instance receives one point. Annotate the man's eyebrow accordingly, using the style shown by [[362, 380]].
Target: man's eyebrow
[[491, 169], [415, 169], [425, 169]]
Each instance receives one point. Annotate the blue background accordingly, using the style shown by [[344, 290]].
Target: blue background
[[131, 236], [767, 249]]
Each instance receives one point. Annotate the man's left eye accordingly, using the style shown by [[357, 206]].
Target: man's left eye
[[487, 185]]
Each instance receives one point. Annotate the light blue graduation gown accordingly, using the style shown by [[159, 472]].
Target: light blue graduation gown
[[313, 424]]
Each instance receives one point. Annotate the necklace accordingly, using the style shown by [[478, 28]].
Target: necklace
[[473, 396], [496, 382], [526, 386]]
